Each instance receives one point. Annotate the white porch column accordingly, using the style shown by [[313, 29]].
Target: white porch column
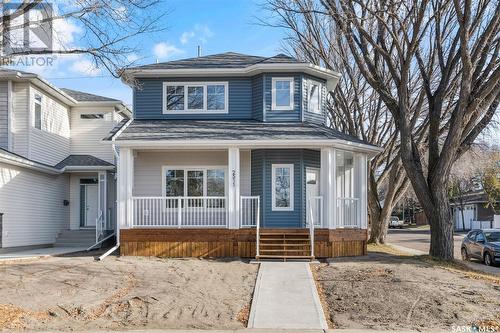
[[125, 176], [233, 195], [327, 187], [363, 190]]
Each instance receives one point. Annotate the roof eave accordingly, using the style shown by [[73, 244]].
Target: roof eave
[[370, 150], [329, 75]]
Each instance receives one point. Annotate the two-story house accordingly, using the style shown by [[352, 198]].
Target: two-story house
[[57, 177], [231, 155]]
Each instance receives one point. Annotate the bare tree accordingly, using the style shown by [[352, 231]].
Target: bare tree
[[446, 51], [109, 28], [354, 107]]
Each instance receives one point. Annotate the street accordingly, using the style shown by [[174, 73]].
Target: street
[[419, 239]]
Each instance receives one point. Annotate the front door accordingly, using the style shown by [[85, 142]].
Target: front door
[[90, 205], [312, 194]]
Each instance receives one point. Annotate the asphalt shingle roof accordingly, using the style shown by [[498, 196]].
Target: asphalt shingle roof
[[229, 130], [81, 160], [221, 60], [115, 129], [81, 96]]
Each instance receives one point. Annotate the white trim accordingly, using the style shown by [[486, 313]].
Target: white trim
[[34, 103], [186, 85], [289, 107], [10, 126], [273, 187], [193, 168], [314, 70], [213, 144]]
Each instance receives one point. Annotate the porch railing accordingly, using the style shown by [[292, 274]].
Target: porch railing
[[180, 212], [348, 214], [314, 209], [249, 211]]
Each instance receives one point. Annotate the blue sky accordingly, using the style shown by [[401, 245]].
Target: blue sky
[[217, 25]]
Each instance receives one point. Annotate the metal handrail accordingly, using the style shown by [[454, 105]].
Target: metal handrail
[[100, 242], [98, 226]]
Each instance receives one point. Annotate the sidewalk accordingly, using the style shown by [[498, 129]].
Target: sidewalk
[[38, 253], [285, 297]]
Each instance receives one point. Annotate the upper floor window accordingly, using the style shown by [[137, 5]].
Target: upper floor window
[[314, 98], [282, 93], [38, 111], [184, 97], [91, 116]]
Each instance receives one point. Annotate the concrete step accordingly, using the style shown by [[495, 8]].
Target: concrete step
[[76, 238]]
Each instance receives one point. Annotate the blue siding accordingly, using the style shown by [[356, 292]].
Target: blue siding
[[149, 96], [293, 115], [258, 97], [262, 161], [315, 118]]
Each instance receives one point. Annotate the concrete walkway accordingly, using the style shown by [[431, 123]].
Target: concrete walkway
[[285, 297], [38, 253]]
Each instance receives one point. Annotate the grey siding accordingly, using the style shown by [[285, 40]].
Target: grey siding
[[20, 118], [262, 161], [283, 116], [310, 116], [148, 99], [258, 97], [4, 116]]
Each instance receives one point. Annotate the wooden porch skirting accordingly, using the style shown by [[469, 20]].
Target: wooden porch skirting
[[181, 243]]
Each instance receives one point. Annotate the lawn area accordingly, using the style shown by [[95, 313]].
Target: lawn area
[[390, 290], [77, 293]]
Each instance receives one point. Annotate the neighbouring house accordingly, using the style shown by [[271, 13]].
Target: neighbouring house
[[231, 155], [57, 178], [477, 213]]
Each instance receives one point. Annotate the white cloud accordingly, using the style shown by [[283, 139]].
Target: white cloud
[[85, 67], [164, 50], [200, 32]]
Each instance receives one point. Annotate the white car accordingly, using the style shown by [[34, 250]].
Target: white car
[[395, 222]]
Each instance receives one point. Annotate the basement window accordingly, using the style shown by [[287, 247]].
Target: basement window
[[92, 116]]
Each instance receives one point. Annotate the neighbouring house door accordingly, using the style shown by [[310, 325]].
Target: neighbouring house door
[[90, 203], [312, 191]]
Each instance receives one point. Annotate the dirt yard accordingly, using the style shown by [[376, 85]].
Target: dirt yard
[[76, 293], [384, 291]]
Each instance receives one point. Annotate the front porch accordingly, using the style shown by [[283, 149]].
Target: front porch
[[218, 202]]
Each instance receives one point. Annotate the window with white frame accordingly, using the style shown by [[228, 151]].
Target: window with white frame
[[314, 98], [282, 93], [37, 112], [184, 97], [282, 187], [194, 182]]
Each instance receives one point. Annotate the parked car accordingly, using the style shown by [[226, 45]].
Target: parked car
[[396, 222], [483, 245]]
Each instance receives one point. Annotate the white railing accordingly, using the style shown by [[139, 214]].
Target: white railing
[[348, 214], [249, 211], [314, 209], [311, 228], [99, 227], [180, 212]]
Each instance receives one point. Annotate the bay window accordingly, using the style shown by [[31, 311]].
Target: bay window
[[282, 187], [314, 98], [185, 97], [38, 112], [282, 93]]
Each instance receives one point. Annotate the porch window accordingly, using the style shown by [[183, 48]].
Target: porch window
[[282, 93], [282, 187], [199, 182], [196, 97], [314, 98]]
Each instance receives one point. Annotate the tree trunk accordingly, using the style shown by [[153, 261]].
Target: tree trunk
[[442, 244]]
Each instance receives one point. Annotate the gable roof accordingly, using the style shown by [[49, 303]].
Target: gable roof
[[81, 96], [221, 60]]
